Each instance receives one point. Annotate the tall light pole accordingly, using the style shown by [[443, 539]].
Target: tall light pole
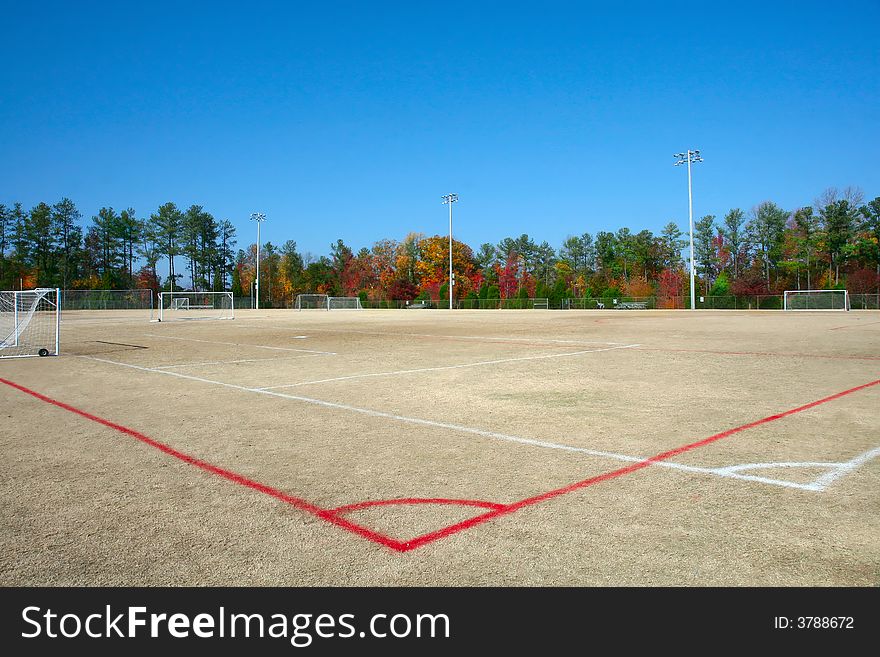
[[686, 158], [449, 199], [259, 217]]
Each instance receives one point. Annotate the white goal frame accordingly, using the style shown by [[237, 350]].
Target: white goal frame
[[30, 323], [789, 294], [196, 305], [344, 303], [312, 302]]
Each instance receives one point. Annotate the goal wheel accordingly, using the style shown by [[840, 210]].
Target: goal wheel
[[43, 352]]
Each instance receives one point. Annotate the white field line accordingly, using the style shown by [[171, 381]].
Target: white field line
[[241, 344], [835, 470], [445, 367], [478, 338], [817, 485], [840, 469], [243, 360]]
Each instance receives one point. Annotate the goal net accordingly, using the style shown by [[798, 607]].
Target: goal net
[[195, 305], [344, 303], [29, 323], [312, 302], [816, 300]]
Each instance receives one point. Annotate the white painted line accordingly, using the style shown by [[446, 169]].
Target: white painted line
[[727, 473], [244, 360], [835, 470], [446, 367], [241, 344], [841, 469], [478, 338], [769, 466]]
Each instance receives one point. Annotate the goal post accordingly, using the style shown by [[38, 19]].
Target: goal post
[[815, 300], [344, 303], [196, 305], [30, 323], [312, 302]]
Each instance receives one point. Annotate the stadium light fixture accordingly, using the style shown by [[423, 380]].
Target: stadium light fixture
[[449, 199], [259, 217], [689, 157]]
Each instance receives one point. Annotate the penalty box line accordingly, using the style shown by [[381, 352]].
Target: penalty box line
[[528, 341], [241, 344], [445, 367], [726, 472]]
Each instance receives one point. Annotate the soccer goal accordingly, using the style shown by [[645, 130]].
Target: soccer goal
[[29, 323], [344, 303], [312, 302], [816, 300], [195, 305]]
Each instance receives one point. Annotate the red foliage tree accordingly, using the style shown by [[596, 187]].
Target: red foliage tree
[[863, 281], [669, 287]]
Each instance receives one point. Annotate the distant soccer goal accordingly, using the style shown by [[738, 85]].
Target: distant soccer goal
[[312, 302], [29, 323], [195, 305], [344, 303], [816, 300]]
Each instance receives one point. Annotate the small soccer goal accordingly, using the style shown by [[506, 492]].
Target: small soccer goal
[[816, 300], [29, 323], [344, 303], [312, 302], [195, 305]]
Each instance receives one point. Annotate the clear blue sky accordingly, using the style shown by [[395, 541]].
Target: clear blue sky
[[349, 120]]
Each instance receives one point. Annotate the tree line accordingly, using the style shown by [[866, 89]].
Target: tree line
[[47, 246], [833, 243]]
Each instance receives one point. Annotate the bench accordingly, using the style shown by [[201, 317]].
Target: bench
[[632, 305]]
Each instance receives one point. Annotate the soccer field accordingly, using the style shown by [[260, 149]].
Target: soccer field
[[446, 448]]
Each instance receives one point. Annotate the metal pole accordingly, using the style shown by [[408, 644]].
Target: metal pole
[[57, 321], [691, 221], [259, 217], [451, 279], [258, 265], [15, 297], [688, 157], [449, 199]]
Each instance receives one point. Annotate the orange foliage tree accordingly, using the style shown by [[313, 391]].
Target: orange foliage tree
[[432, 267]]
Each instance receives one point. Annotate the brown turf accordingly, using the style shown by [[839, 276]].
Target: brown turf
[[85, 504]]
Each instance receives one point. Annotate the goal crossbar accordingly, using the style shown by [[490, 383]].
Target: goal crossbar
[[312, 302], [196, 305], [815, 300]]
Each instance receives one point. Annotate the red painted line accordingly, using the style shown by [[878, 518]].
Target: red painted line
[[613, 474], [348, 508], [334, 516], [849, 326], [295, 502], [757, 353]]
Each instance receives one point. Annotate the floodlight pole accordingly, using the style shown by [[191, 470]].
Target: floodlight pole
[[688, 157], [449, 199], [259, 217]]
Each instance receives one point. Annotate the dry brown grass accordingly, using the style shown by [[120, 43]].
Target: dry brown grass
[[86, 504]]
